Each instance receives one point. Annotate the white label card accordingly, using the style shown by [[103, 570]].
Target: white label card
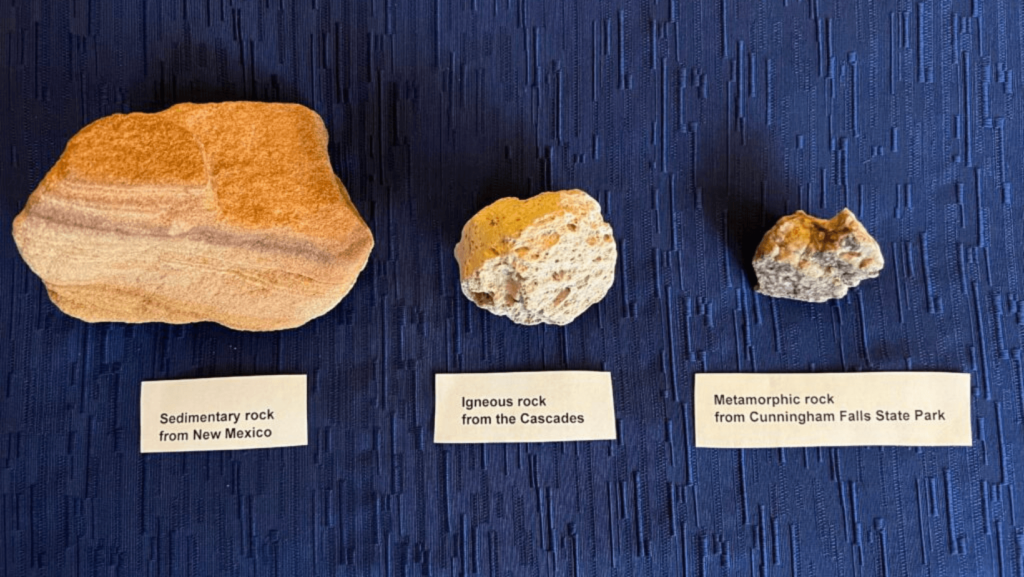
[[223, 414], [755, 411], [524, 407]]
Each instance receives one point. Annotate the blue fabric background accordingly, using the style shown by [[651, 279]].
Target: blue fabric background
[[695, 125]]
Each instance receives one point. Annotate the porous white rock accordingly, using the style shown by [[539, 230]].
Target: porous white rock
[[541, 260], [812, 259]]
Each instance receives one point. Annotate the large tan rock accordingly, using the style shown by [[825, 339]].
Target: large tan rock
[[203, 212], [541, 260], [812, 259]]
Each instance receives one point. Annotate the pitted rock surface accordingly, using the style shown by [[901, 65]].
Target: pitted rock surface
[[225, 212], [812, 259], [541, 260]]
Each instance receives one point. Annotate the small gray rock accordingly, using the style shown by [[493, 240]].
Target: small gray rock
[[812, 259]]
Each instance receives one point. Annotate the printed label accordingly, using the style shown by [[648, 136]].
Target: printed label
[[223, 414], [524, 407], [750, 411]]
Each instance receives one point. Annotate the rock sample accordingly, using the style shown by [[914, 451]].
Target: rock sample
[[541, 260], [223, 212], [813, 259]]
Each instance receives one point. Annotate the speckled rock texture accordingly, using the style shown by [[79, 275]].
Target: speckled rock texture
[[812, 259], [225, 212], [541, 260]]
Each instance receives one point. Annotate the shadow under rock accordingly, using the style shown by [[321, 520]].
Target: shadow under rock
[[743, 197]]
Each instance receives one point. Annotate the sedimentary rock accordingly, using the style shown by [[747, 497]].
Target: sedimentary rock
[[226, 212], [541, 260], [813, 259]]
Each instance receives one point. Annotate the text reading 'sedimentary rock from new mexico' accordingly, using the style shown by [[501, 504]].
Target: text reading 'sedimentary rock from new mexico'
[[223, 414]]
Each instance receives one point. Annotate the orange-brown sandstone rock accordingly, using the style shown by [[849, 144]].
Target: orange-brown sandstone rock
[[226, 212]]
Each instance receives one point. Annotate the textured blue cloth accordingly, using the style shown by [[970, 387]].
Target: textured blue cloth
[[695, 125]]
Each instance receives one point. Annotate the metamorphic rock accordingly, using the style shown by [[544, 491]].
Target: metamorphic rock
[[813, 259]]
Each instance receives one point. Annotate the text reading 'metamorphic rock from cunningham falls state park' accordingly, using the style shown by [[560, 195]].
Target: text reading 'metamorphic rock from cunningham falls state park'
[[225, 212], [541, 260]]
